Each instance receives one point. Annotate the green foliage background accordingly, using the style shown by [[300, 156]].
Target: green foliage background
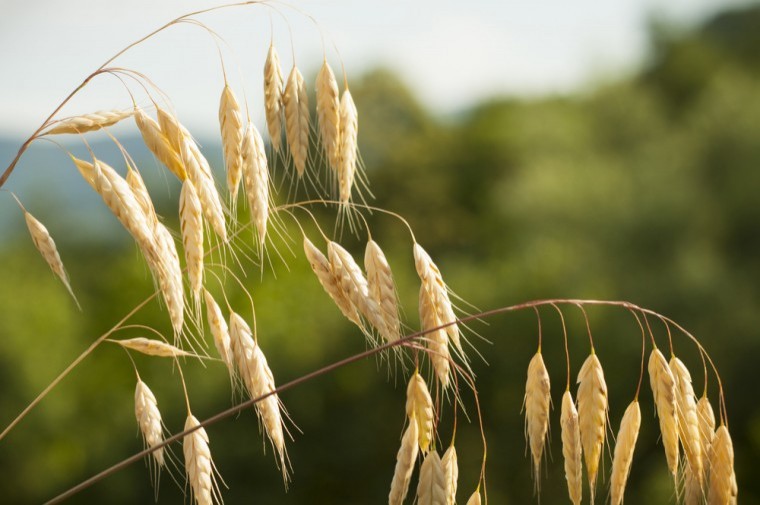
[[645, 189]]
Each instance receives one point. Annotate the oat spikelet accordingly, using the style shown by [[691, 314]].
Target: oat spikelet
[[48, 250], [169, 274], [219, 330], [256, 179], [571, 448], [198, 463], [354, 285], [231, 124], [273, 97], [625, 444], [432, 281], [89, 122], [437, 344], [686, 413], [171, 128], [152, 347], [382, 289], [349, 129], [431, 488], [149, 419], [475, 498], [296, 103], [321, 267], [405, 459], [693, 494], [419, 407], [722, 489], [204, 186], [328, 105], [664, 391], [450, 474], [258, 379], [592, 415], [706, 418], [158, 144], [136, 183], [537, 403], [191, 224]]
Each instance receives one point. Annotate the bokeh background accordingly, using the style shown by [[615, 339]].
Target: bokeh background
[[629, 172]]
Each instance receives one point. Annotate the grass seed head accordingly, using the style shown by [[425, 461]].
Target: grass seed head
[[537, 403], [688, 420], [198, 463], [158, 144], [571, 448], [431, 487], [328, 115], [256, 179], [231, 125], [450, 474], [89, 122], [664, 391], [405, 459], [191, 225], [382, 289], [149, 419], [592, 415], [349, 128], [296, 104], [722, 489], [323, 270], [624, 447], [273, 96], [419, 407]]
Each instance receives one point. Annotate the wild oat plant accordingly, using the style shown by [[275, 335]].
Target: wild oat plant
[[195, 265]]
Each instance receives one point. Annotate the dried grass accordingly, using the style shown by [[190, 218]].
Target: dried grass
[[419, 407], [664, 390], [149, 420], [296, 104], [571, 448], [537, 402], [273, 96], [592, 415], [405, 459], [624, 447]]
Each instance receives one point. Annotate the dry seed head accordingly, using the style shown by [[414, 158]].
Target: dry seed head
[[706, 418], [405, 459], [204, 186], [231, 124], [722, 489], [475, 498], [349, 128], [149, 419], [169, 274], [171, 128], [296, 103], [624, 447], [571, 448], [537, 403], [328, 105], [136, 183], [321, 267], [450, 474], [191, 224], [158, 144], [419, 406], [664, 391], [592, 415], [256, 179], [432, 281], [152, 347], [219, 330], [437, 344], [48, 250], [87, 170], [431, 488], [354, 285], [198, 463], [259, 381], [688, 422], [273, 96], [89, 122], [382, 289], [693, 494]]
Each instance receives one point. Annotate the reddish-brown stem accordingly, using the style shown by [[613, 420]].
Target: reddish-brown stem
[[540, 335], [588, 326], [643, 353], [567, 347]]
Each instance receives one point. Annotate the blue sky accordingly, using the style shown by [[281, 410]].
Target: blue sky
[[451, 53]]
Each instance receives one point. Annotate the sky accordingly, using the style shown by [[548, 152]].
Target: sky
[[452, 54]]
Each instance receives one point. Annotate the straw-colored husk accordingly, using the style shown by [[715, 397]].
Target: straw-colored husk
[[273, 96], [382, 289], [624, 447], [706, 419], [475, 498], [191, 225], [664, 391], [149, 419], [688, 422], [296, 103], [328, 104], [136, 183], [419, 406], [537, 403], [158, 144], [722, 489], [219, 330], [89, 122], [349, 128], [431, 487], [571, 448], [256, 179], [592, 415], [436, 341], [322, 268], [169, 274], [152, 347], [450, 474], [205, 187], [231, 125], [198, 463], [405, 459]]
